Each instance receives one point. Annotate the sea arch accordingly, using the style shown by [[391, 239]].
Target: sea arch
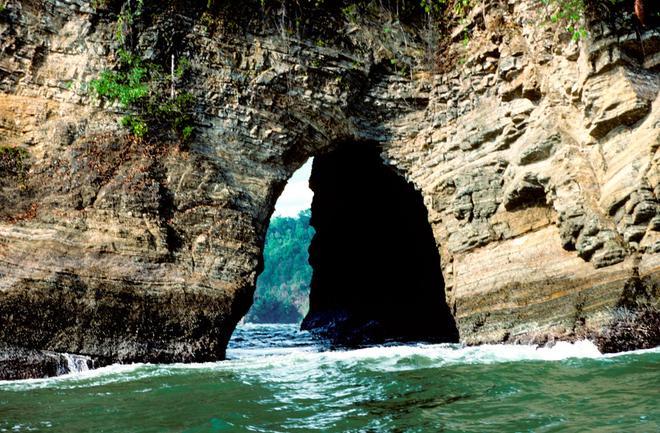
[[376, 266]]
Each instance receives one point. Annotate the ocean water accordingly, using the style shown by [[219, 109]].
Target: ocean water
[[278, 379]]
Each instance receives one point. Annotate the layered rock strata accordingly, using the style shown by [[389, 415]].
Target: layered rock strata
[[536, 157]]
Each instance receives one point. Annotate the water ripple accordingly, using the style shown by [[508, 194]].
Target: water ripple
[[288, 383]]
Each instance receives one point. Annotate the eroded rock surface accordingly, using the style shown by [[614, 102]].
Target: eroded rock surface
[[537, 158]]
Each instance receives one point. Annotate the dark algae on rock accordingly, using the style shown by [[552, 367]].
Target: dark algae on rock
[[143, 145]]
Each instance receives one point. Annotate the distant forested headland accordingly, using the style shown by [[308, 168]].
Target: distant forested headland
[[282, 294]]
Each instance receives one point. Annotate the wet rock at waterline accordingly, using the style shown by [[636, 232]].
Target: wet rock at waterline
[[536, 159], [20, 363]]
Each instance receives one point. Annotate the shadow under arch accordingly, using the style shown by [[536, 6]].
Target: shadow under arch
[[376, 266]]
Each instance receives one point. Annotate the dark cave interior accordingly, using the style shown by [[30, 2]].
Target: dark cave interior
[[376, 267]]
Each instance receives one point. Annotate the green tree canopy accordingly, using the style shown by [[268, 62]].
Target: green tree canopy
[[282, 294]]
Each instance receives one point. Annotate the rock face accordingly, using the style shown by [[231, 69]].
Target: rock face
[[537, 159]]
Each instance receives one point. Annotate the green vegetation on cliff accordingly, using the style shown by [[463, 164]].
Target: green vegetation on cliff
[[153, 106], [282, 294], [143, 91]]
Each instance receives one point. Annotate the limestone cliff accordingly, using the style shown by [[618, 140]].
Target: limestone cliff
[[537, 158]]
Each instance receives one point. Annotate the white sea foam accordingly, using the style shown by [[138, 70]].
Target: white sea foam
[[74, 379], [276, 363], [237, 354], [412, 356], [76, 363]]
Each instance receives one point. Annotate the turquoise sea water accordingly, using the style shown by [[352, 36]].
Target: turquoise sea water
[[278, 380]]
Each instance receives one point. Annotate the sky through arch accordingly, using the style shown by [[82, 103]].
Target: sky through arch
[[296, 195]]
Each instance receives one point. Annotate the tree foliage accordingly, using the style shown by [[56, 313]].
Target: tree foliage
[[142, 90], [153, 107], [282, 294]]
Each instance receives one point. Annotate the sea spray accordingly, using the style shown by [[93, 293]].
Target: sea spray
[[77, 363]]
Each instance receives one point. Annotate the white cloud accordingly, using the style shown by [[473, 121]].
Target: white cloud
[[296, 195]]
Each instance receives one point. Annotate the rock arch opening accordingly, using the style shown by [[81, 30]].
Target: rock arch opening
[[374, 270], [282, 288], [376, 266]]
